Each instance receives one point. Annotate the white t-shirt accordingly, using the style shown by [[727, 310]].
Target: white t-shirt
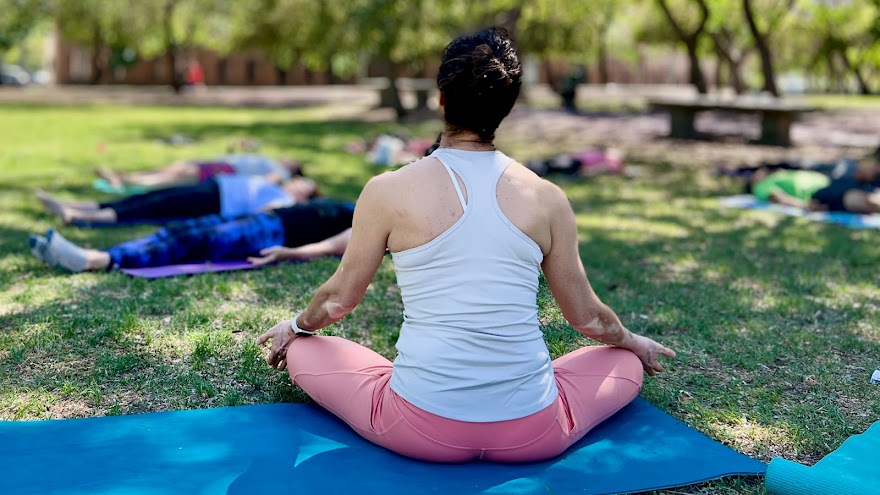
[[242, 195], [255, 165]]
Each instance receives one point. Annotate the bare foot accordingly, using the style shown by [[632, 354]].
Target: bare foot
[[67, 210], [50, 203]]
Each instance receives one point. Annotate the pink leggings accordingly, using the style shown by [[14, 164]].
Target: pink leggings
[[353, 382]]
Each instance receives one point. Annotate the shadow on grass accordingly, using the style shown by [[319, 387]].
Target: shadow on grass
[[751, 301], [144, 345]]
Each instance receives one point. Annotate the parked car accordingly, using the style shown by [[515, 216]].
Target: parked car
[[13, 75]]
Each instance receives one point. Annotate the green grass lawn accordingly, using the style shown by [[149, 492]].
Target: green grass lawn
[[776, 320]]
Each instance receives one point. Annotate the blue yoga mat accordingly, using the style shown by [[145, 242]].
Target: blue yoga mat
[[104, 186], [849, 220], [301, 449], [852, 469]]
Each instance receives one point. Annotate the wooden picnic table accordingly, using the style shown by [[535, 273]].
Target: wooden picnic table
[[776, 115]]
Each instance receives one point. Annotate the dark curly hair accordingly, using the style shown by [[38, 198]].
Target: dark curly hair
[[480, 77]]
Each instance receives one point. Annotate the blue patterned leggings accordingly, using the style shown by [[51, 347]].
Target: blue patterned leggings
[[210, 238]]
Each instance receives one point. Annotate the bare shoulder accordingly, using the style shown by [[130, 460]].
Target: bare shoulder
[[404, 177], [548, 193], [554, 195], [394, 186]]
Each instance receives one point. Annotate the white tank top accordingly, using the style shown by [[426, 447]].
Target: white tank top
[[470, 347]]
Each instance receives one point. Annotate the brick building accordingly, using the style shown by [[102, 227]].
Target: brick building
[[73, 65]]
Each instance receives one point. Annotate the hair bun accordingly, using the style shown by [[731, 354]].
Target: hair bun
[[488, 70], [480, 77]]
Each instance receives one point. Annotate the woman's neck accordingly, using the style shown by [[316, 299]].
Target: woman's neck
[[466, 141]]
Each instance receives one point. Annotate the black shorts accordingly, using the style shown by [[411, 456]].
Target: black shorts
[[314, 221], [832, 195]]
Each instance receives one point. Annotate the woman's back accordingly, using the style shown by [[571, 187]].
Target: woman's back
[[470, 347], [425, 203], [473, 378]]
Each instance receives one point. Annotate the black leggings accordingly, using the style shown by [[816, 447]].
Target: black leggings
[[192, 201]]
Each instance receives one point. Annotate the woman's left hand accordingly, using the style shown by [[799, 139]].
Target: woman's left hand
[[273, 254], [282, 335]]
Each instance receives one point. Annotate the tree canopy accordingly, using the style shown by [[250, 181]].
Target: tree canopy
[[744, 44]]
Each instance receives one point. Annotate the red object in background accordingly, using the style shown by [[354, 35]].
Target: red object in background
[[194, 74], [101, 148]]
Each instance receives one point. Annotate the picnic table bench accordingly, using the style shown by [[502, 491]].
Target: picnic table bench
[[776, 115]]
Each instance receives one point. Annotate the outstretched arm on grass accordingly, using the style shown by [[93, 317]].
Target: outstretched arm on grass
[[332, 246]]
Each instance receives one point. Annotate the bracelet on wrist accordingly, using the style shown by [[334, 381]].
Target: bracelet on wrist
[[297, 330]]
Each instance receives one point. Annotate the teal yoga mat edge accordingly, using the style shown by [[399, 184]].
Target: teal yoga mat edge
[[847, 470]]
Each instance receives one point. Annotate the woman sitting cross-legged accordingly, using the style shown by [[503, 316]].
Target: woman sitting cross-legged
[[318, 228], [469, 230], [226, 195]]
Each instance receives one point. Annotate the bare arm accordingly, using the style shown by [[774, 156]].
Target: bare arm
[[367, 240], [580, 305], [782, 198], [568, 281], [274, 178], [332, 246]]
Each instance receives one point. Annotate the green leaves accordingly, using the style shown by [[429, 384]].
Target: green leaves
[[18, 18]]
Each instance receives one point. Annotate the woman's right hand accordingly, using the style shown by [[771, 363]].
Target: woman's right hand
[[649, 352]]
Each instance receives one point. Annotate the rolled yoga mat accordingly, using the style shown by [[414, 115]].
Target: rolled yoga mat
[[852, 469], [302, 449]]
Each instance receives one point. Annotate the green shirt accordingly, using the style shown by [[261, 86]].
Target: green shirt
[[801, 184]]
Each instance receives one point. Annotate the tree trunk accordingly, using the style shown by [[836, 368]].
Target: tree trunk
[[691, 42], [736, 79], [508, 19], [604, 72], [696, 73], [391, 95], [763, 50], [829, 62], [281, 74], [734, 64], [552, 77], [863, 84], [856, 72], [97, 60], [171, 46]]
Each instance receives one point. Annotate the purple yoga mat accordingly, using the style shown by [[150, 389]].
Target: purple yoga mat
[[188, 269]]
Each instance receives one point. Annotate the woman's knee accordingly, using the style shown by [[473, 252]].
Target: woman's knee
[[630, 366], [321, 354], [602, 360], [304, 350]]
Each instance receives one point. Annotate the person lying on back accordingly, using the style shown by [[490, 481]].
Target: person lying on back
[[814, 191], [227, 195]]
